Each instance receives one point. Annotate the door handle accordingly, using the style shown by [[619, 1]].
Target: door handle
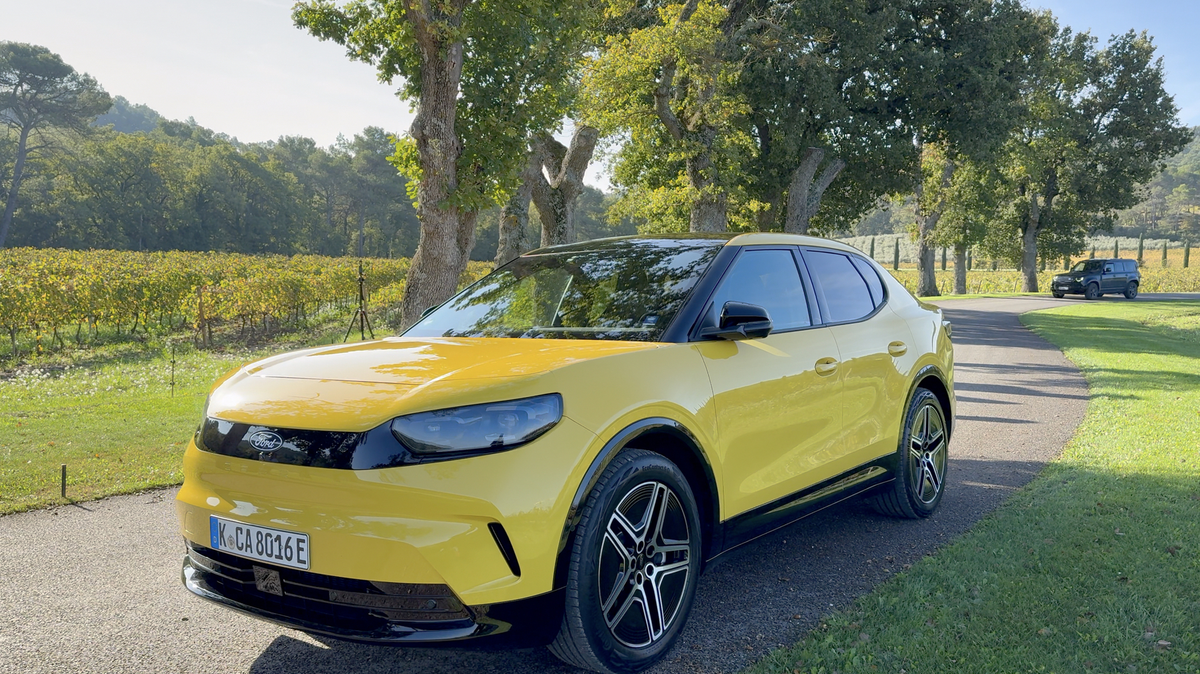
[[897, 348], [826, 366]]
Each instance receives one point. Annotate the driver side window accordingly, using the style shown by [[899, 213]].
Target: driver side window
[[769, 279]]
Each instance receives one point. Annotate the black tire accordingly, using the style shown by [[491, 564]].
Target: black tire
[[1058, 296], [1091, 292], [623, 573], [920, 480], [1131, 290]]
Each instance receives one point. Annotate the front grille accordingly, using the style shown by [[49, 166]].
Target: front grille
[[344, 603], [376, 448]]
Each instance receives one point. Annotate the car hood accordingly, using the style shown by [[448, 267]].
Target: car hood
[[358, 386]]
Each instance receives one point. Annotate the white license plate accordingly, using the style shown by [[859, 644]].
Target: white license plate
[[274, 546], [1064, 287]]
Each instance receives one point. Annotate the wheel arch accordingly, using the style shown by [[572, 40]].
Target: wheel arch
[[933, 379], [670, 439]]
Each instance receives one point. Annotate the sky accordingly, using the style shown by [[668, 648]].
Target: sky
[[240, 67]]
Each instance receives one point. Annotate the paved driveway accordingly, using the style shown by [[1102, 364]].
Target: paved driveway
[[95, 587]]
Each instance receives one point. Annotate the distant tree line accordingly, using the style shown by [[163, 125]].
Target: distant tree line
[[129, 179]]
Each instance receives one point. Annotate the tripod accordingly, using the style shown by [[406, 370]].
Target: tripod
[[360, 315]]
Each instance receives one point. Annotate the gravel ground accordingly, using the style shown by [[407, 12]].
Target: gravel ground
[[94, 587]]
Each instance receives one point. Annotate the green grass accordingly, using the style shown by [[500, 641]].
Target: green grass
[[109, 414], [1095, 565]]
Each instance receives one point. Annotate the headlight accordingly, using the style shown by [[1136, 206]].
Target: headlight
[[494, 426]]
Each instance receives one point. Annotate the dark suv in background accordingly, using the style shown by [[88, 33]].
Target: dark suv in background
[[1093, 278]]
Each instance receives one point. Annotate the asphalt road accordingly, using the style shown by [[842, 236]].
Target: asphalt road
[[95, 587]]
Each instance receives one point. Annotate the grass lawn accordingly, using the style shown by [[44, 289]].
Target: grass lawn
[[1095, 565], [108, 413]]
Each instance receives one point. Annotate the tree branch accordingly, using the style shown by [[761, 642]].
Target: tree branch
[[662, 100]]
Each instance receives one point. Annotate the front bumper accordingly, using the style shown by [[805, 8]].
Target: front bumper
[[1069, 287], [355, 610], [487, 527]]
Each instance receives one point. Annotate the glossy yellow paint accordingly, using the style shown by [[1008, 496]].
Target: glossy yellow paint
[[770, 424], [779, 420]]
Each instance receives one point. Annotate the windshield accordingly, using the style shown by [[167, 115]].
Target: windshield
[[1087, 265], [628, 290]]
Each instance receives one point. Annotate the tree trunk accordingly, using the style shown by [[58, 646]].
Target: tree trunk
[[447, 234], [708, 212], [10, 203], [960, 269], [1029, 247], [767, 217], [927, 220], [555, 197], [806, 189], [514, 215]]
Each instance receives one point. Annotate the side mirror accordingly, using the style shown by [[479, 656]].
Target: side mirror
[[1108, 269], [740, 321]]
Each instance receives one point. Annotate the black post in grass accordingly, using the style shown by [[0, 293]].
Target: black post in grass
[[896, 254], [1187, 252], [1164, 254], [1093, 256], [1116, 247], [1066, 263], [64, 480], [1141, 245], [943, 259], [970, 259], [872, 253]]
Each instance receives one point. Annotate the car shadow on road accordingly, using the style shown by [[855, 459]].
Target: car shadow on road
[[764, 595]]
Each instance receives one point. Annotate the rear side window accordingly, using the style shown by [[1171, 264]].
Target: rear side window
[[769, 279], [872, 278], [1130, 266], [847, 296]]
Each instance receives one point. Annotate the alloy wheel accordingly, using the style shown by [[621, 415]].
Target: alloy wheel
[[927, 453], [644, 564]]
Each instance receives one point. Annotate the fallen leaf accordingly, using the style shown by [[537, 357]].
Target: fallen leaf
[[1162, 645], [1172, 550], [1044, 631], [864, 637]]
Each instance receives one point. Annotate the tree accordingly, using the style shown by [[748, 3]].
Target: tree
[[820, 80], [126, 117], [966, 61], [1101, 124], [38, 91], [476, 106], [970, 208], [665, 79], [558, 182]]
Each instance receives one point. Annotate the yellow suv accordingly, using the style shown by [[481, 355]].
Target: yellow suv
[[552, 455]]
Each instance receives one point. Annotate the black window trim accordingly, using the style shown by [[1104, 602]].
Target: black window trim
[[815, 320], [821, 291]]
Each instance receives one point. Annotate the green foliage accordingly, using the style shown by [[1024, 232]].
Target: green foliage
[[1171, 204], [503, 97], [184, 187], [1086, 144], [39, 92], [618, 96], [126, 117]]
